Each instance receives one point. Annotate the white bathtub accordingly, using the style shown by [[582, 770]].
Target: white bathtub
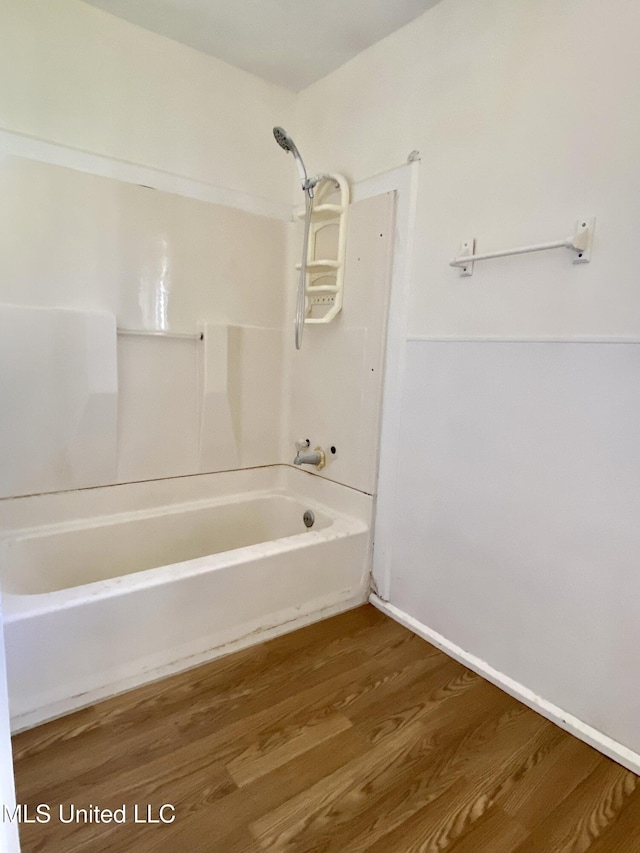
[[108, 588]]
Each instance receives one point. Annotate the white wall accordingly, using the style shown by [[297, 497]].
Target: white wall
[[525, 115], [516, 528], [74, 75], [526, 118]]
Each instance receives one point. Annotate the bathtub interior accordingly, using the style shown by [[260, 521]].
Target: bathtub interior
[[71, 554]]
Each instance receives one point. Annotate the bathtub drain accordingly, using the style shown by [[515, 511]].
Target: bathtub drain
[[308, 518]]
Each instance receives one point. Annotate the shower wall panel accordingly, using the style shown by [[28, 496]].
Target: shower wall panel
[[166, 264], [335, 380]]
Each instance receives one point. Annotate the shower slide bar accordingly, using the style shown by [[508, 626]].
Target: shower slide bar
[[581, 242]]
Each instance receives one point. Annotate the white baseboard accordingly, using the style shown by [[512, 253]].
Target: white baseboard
[[248, 636], [604, 744]]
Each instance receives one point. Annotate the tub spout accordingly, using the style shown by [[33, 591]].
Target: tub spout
[[311, 457]]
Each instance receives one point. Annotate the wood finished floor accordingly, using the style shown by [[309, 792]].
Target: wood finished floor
[[349, 735]]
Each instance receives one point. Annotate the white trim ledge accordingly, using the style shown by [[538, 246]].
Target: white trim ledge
[[604, 744], [43, 151], [402, 180]]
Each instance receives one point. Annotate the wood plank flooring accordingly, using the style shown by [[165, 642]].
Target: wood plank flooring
[[350, 735]]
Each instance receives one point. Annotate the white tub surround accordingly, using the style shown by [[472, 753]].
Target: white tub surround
[[108, 588], [86, 407], [59, 387]]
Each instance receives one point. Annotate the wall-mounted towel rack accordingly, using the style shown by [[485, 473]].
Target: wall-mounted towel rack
[[198, 336], [581, 243]]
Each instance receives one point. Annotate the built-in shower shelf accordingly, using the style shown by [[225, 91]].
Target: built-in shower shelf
[[324, 278], [160, 333], [321, 265], [323, 212]]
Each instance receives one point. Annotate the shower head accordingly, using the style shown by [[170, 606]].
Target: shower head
[[285, 141]]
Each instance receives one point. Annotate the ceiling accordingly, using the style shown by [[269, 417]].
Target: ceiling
[[288, 42]]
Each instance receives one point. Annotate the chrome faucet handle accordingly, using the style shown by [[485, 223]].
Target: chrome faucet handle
[[302, 443]]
